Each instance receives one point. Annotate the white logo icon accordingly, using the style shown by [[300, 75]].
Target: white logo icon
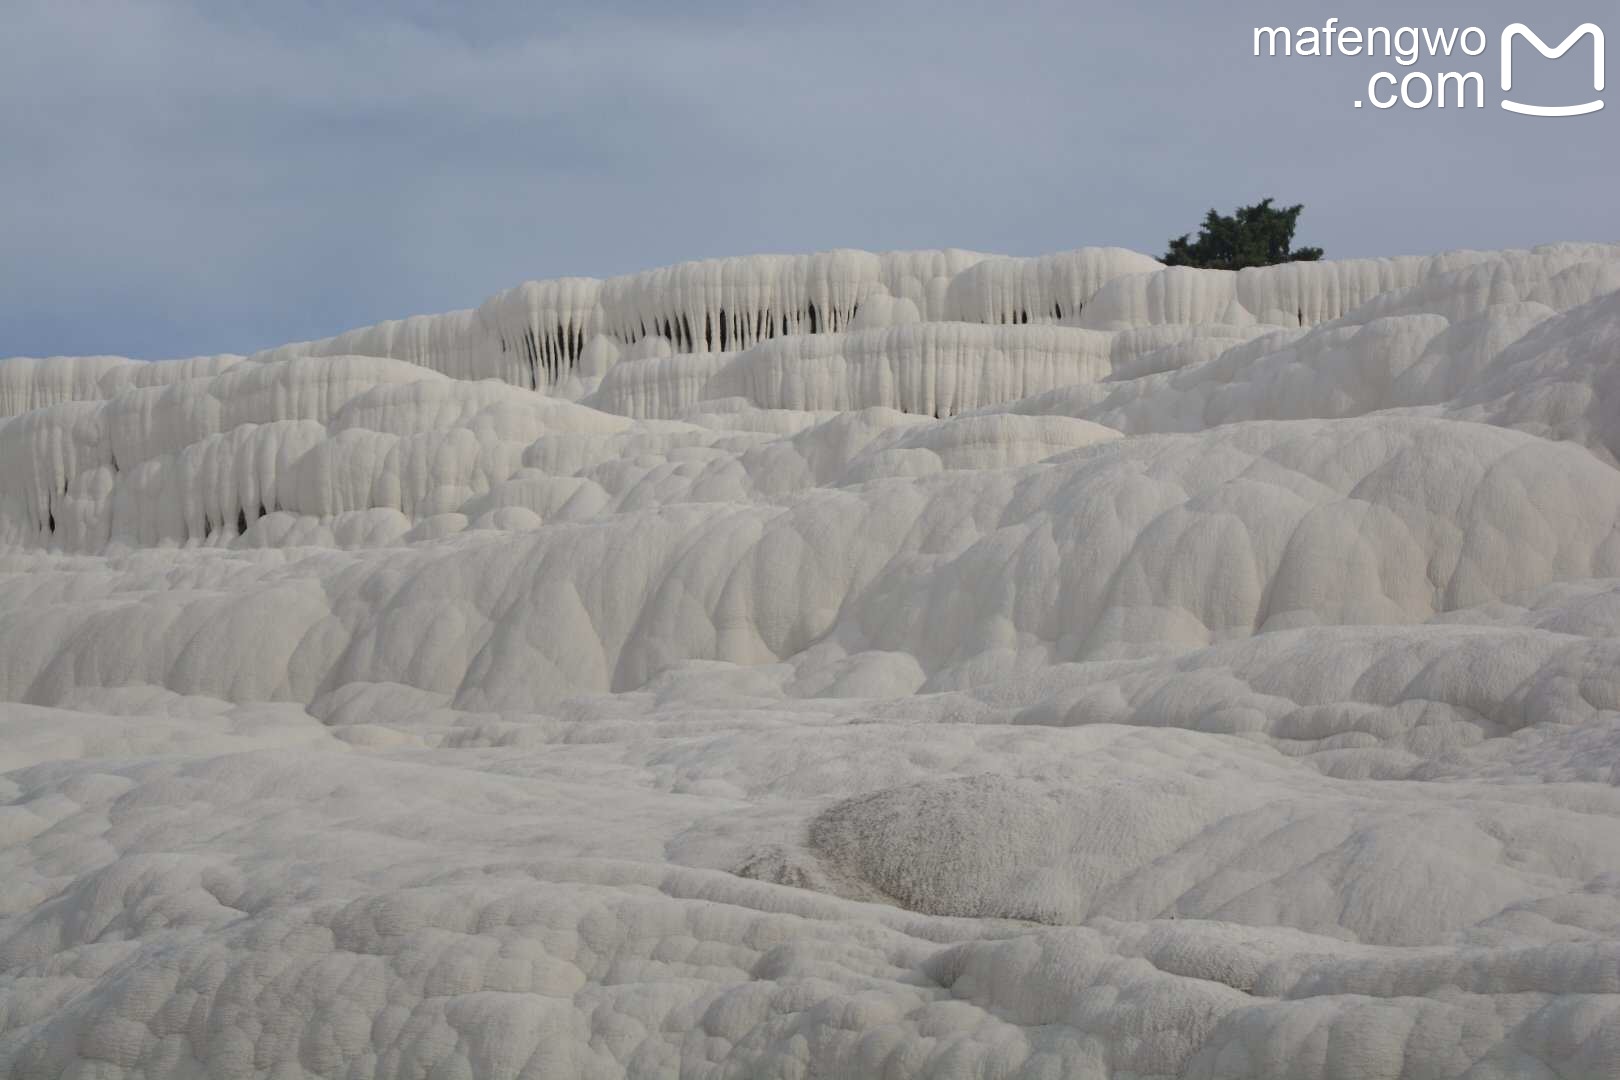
[[1521, 30]]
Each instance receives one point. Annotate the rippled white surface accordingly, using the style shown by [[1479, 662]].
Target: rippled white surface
[[1051, 667]]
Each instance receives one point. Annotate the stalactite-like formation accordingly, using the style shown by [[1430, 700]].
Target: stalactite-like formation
[[537, 334]]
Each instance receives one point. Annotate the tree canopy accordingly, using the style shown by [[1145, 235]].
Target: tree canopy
[[1258, 235]]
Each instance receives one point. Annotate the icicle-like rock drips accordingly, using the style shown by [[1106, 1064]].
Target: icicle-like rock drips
[[540, 334]]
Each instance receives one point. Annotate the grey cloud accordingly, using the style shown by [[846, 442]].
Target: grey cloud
[[196, 178]]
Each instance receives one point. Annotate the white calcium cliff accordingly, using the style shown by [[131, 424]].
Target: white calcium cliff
[[924, 664]]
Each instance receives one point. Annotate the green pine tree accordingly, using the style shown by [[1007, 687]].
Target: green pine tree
[[1259, 235]]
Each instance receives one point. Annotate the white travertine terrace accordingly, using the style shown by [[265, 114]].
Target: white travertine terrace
[[912, 665], [537, 334]]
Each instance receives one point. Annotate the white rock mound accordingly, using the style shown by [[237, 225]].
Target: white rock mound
[[911, 665]]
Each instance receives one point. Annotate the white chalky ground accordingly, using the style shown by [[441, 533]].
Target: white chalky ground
[[912, 665]]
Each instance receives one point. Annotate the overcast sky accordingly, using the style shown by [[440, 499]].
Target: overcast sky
[[184, 178]]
